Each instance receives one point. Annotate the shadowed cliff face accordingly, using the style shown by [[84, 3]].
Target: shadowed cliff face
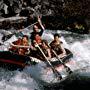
[[64, 13]]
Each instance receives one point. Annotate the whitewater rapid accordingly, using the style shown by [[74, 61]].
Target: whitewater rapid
[[78, 44]]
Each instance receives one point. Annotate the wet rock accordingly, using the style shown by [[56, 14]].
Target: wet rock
[[47, 8], [7, 23]]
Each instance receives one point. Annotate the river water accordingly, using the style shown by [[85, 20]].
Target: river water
[[19, 80]]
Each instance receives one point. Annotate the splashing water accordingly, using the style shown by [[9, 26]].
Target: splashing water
[[16, 80], [78, 44]]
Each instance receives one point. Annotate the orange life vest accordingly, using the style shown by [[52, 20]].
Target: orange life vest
[[37, 38]]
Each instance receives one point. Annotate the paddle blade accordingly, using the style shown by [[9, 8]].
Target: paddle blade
[[57, 74], [68, 70]]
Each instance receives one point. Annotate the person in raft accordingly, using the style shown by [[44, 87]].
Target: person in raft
[[57, 46], [20, 46], [37, 33], [45, 49]]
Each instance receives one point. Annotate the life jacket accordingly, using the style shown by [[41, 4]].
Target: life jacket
[[20, 51], [38, 38], [23, 51], [14, 49]]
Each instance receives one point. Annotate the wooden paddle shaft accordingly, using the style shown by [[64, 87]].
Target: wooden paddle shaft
[[44, 55], [31, 25], [53, 69], [67, 68]]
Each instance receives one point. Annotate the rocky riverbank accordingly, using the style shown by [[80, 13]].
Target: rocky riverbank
[[56, 14]]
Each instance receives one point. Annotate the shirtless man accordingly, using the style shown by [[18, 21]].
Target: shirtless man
[[56, 45]]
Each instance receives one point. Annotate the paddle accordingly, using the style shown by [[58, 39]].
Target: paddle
[[4, 38], [67, 68], [57, 74]]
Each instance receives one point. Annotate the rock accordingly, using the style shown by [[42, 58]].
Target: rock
[[47, 8], [7, 23]]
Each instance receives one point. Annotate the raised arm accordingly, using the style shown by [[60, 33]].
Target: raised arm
[[40, 22]]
